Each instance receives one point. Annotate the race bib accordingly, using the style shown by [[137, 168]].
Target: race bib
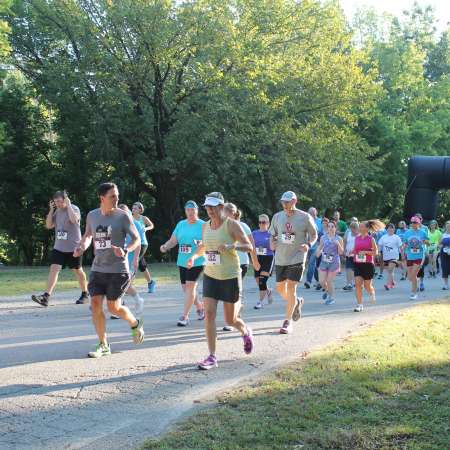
[[446, 250], [212, 258], [185, 249], [287, 238], [361, 258], [327, 258], [416, 251], [261, 250], [61, 235], [102, 243]]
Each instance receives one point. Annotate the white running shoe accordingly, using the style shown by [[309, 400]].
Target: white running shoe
[[358, 308], [259, 305], [413, 296], [183, 321]]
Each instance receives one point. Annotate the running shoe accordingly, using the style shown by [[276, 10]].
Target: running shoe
[[259, 305], [138, 332], [413, 296], [380, 277], [286, 327], [41, 299], [112, 316], [183, 321], [227, 328], [402, 278], [84, 298], [445, 288], [324, 296], [348, 287], [100, 350], [298, 309], [151, 287], [307, 285], [386, 286], [269, 296], [358, 308], [139, 305], [318, 287], [208, 363], [422, 287], [248, 341], [329, 301], [201, 314]]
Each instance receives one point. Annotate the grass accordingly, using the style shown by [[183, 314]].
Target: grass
[[385, 388], [25, 280]]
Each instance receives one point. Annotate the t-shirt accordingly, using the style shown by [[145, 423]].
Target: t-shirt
[[141, 233], [341, 226], [349, 243], [67, 234], [445, 242], [330, 252], [414, 240], [390, 247], [400, 232], [434, 237], [243, 256], [291, 232], [108, 230], [262, 243], [189, 236], [141, 221]]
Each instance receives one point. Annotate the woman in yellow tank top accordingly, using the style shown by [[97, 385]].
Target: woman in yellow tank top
[[222, 281]]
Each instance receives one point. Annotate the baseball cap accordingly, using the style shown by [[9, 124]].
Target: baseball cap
[[416, 219], [214, 199], [191, 204], [288, 196]]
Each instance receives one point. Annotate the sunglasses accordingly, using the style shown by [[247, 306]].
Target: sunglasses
[[263, 222]]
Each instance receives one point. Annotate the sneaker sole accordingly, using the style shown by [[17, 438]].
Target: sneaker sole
[[182, 324], [207, 367], [297, 314], [35, 299]]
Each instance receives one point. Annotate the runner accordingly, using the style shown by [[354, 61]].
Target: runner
[[330, 247], [390, 246], [325, 222], [188, 236], [147, 224], [108, 227], [222, 280], [311, 258], [293, 234], [65, 218], [349, 246], [401, 230], [414, 244], [340, 224], [421, 274], [434, 236], [445, 255], [261, 238], [380, 260], [133, 265], [364, 255]]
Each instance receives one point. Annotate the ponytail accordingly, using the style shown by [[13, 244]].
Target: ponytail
[[375, 225]]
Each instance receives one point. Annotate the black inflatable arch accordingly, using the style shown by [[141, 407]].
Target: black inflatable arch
[[427, 175]]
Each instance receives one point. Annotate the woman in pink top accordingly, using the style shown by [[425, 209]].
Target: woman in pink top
[[364, 255]]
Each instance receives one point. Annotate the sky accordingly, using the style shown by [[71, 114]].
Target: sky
[[396, 7]]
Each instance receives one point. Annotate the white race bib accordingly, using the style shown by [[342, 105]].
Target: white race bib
[[212, 258], [287, 238], [261, 250], [185, 249], [415, 251], [327, 258], [361, 258], [61, 235], [102, 243]]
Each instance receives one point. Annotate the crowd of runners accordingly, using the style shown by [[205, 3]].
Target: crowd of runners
[[219, 250]]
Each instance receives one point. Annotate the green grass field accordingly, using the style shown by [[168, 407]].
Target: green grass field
[[385, 388], [26, 280]]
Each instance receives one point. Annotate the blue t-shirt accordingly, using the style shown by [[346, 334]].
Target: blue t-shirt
[[415, 246], [189, 236], [243, 256], [141, 232], [401, 232]]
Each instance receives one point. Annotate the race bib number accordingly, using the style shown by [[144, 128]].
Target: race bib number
[[261, 250], [287, 238], [61, 235], [102, 243], [185, 249], [446, 250], [361, 258], [327, 258], [212, 258], [415, 251]]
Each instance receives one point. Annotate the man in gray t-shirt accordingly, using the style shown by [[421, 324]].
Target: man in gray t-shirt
[[106, 228], [293, 233], [64, 217]]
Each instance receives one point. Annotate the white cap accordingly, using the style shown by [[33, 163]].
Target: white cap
[[288, 196], [214, 199]]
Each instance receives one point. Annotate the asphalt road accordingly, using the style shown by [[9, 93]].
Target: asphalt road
[[53, 397]]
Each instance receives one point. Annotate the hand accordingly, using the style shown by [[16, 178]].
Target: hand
[[118, 251], [190, 263], [163, 249], [257, 266], [51, 205], [304, 247], [77, 252], [225, 247]]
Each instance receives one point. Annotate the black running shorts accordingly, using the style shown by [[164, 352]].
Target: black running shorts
[[192, 274], [65, 259], [109, 285], [228, 291], [293, 272], [364, 270], [266, 262]]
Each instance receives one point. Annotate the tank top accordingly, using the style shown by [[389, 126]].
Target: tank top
[[330, 249], [220, 266], [142, 222], [363, 244]]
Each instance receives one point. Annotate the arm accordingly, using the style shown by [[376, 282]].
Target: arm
[[171, 243], [242, 242], [340, 244], [320, 247], [148, 224], [74, 214], [135, 243], [50, 219], [199, 252], [253, 254], [85, 240], [312, 234]]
